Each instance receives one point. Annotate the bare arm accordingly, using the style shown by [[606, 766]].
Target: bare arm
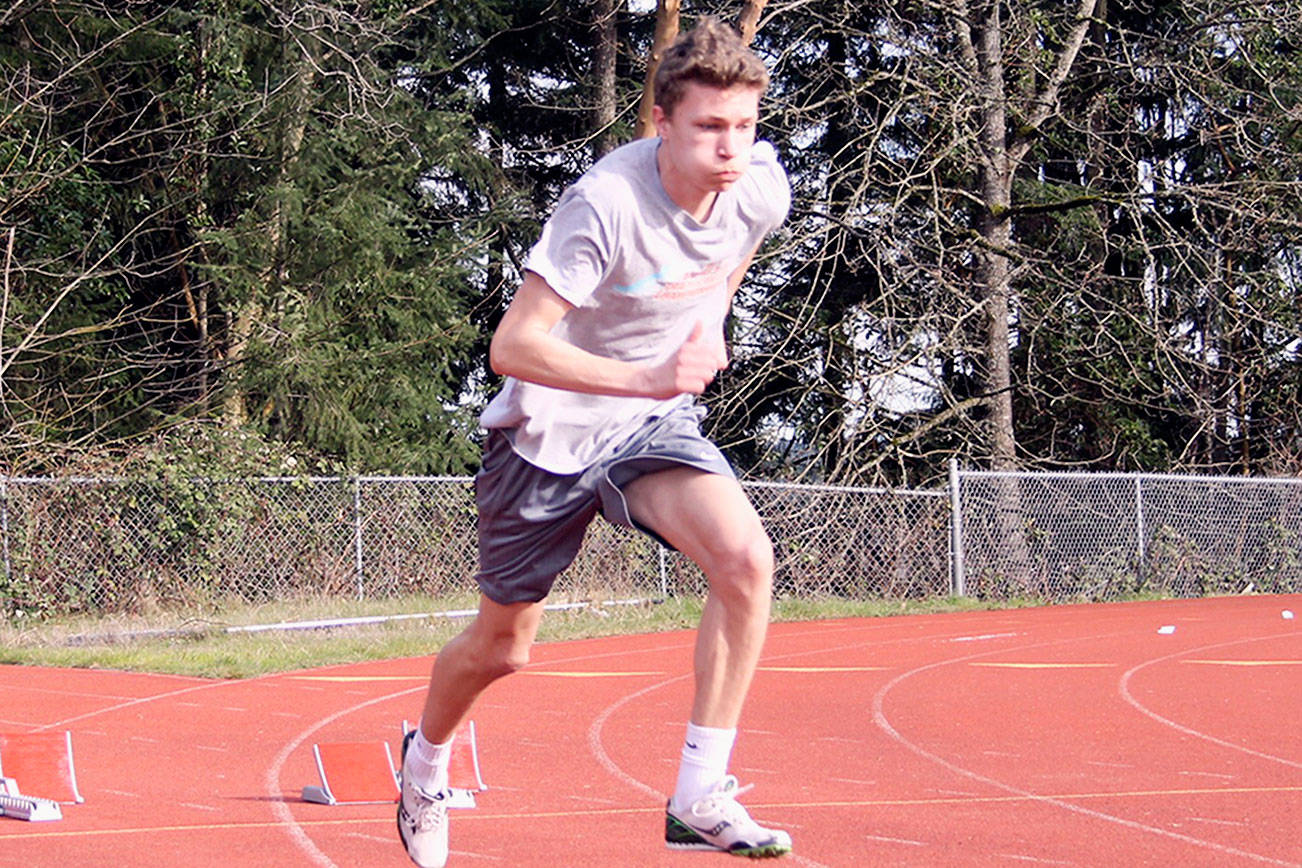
[[734, 283], [738, 274], [523, 347]]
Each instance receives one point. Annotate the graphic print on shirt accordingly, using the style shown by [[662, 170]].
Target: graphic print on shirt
[[674, 282]]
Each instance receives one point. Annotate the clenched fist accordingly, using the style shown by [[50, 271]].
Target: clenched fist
[[690, 368]]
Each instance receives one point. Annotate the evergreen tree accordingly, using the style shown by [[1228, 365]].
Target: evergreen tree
[[242, 201]]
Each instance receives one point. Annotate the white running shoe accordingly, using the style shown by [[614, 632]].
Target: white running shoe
[[422, 820], [717, 822]]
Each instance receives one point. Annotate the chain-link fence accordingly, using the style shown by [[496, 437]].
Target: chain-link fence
[[1093, 536], [114, 545], [101, 545]]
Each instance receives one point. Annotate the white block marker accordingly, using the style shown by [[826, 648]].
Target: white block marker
[[1166, 629]]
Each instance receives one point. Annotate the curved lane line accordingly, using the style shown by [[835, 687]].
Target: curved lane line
[[604, 760], [879, 717], [271, 781], [1124, 688], [280, 809], [599, 750]]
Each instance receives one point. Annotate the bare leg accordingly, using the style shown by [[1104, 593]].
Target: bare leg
[[495, 644], [708, 518]]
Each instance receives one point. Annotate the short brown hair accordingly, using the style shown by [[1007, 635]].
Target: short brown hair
[[710, 53]]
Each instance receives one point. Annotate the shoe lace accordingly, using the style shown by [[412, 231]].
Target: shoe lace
[[431, 811], [723, 800]]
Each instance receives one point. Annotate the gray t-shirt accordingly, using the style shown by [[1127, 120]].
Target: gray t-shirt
[[640, 272]]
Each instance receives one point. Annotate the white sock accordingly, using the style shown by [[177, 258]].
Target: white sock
[[706, 751], [426, 764]]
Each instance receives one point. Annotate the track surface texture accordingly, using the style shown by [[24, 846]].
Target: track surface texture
[[1073, 735]]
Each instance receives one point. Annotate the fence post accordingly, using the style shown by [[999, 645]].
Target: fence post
[[357, 536], [957, 580], [4, 527], [1140, 530], [664, 573]]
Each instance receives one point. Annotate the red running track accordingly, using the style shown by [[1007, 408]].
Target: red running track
[[1074, 735]]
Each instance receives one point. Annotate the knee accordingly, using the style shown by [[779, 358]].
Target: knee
[[496, 656], [507, 657], [744, 571]]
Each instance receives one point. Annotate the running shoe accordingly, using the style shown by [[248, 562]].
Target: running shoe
[[422, 819], [717, 822]]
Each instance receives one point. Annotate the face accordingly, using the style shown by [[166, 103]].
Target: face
[[705, 143]]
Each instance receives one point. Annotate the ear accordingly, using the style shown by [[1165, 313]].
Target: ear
[[658, 116]]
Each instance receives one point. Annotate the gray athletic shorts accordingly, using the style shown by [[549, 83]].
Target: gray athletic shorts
[[532, 522]]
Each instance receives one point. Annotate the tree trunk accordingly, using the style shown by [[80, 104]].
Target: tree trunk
[[666, 30], [202, 173], [605, 38], [999, 154], [748, 21], [992, 272]]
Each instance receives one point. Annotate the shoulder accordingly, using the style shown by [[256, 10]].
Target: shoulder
[[766, 190], [764, 156], [605, 200], [766, 170], [617, 179]]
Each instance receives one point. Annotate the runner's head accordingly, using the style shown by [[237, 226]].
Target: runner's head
[[711, 53]]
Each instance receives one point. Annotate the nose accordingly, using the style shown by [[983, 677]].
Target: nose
[[728, 143]]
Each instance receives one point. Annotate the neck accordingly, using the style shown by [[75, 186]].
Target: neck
[[693, 200]]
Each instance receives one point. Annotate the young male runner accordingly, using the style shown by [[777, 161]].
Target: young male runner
[[617, 326]]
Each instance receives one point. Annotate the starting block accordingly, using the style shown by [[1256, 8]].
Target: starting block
[[42, 763], [354, 773], [363, 772], [20, 807]]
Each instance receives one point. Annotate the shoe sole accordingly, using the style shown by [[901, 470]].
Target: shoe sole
[[402, 834], [682, 837], [768, 851], [402, 758]]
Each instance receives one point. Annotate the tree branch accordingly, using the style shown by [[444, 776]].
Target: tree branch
[[1043, 103]]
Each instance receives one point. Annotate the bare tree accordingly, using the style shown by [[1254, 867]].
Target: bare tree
[[1024, 234], [1002, 150]]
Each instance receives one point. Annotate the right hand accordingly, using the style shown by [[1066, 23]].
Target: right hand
[[690, 369]]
